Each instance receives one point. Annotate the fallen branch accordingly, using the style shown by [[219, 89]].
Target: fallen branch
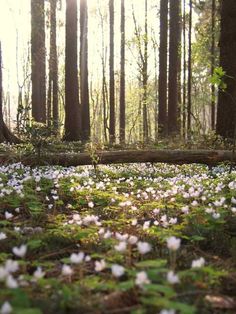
[[207, 157]]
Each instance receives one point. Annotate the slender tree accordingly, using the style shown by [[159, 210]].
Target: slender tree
[[189, 105], [38, 60], [162, 88], [112, 75], [122, 74], [184, 71], [226, 111], [173, 67], [213, 59], [72, 105], [53, 110], [84, 85], [145, 77]]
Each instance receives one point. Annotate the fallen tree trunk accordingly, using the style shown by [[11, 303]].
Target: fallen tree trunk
[[207, 157]]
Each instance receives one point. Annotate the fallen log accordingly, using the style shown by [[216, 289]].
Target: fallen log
[[208, 157]]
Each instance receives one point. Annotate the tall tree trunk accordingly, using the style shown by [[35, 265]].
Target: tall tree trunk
[[213, 35], [54, 63], [84, 85], [145, 78], [72, 105], [38, 60], [189, 109], [112, 75], [226, 111], [173, 67], [184, 72], [162, 101], [180, 70], [5, 134], [122, 74]]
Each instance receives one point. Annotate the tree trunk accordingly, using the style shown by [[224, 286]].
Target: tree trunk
[[84, 87], [173, 67], [112, 75], [213, 57], [162, 102], [122, 74], [189, 109], [54, 63], [208, 157], [145, 78], [184, 71], [226, 112], [5, 134], [38, 60], [72, 106]]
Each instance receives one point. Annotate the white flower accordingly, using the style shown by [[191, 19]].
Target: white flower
[[121, 237], [107, 235], [3, 273], [11, 266], [20, 251], [91, 204], [173, 221], [38, 274], [173, 243], [216, 215], [117, 270], [233, 210], [77, 258], [8, 215], [198, 263], [133, 240], [144, 247], [146, 225], [172, 277], [87, 258], [121, 247], [134, 222], [2, 236], [66, 270], [100, 266], [6, 308], [141, 279], [167, 311], [233, 200], [185, 209], [11, 282]]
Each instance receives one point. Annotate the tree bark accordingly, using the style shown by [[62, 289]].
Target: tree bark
[[145, 78], [72, 105], [189, 106], [112, 75], [38, 61], [84, 85], [173, 67], [122, 74], [162, 101], [226, 112], [207, 157], [213, 57]]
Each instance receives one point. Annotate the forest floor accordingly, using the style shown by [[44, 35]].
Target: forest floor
[[134, 239]]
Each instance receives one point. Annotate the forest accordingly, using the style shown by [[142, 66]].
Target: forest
[[117, 156]]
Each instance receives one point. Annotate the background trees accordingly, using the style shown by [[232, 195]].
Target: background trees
[[131, 83]]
